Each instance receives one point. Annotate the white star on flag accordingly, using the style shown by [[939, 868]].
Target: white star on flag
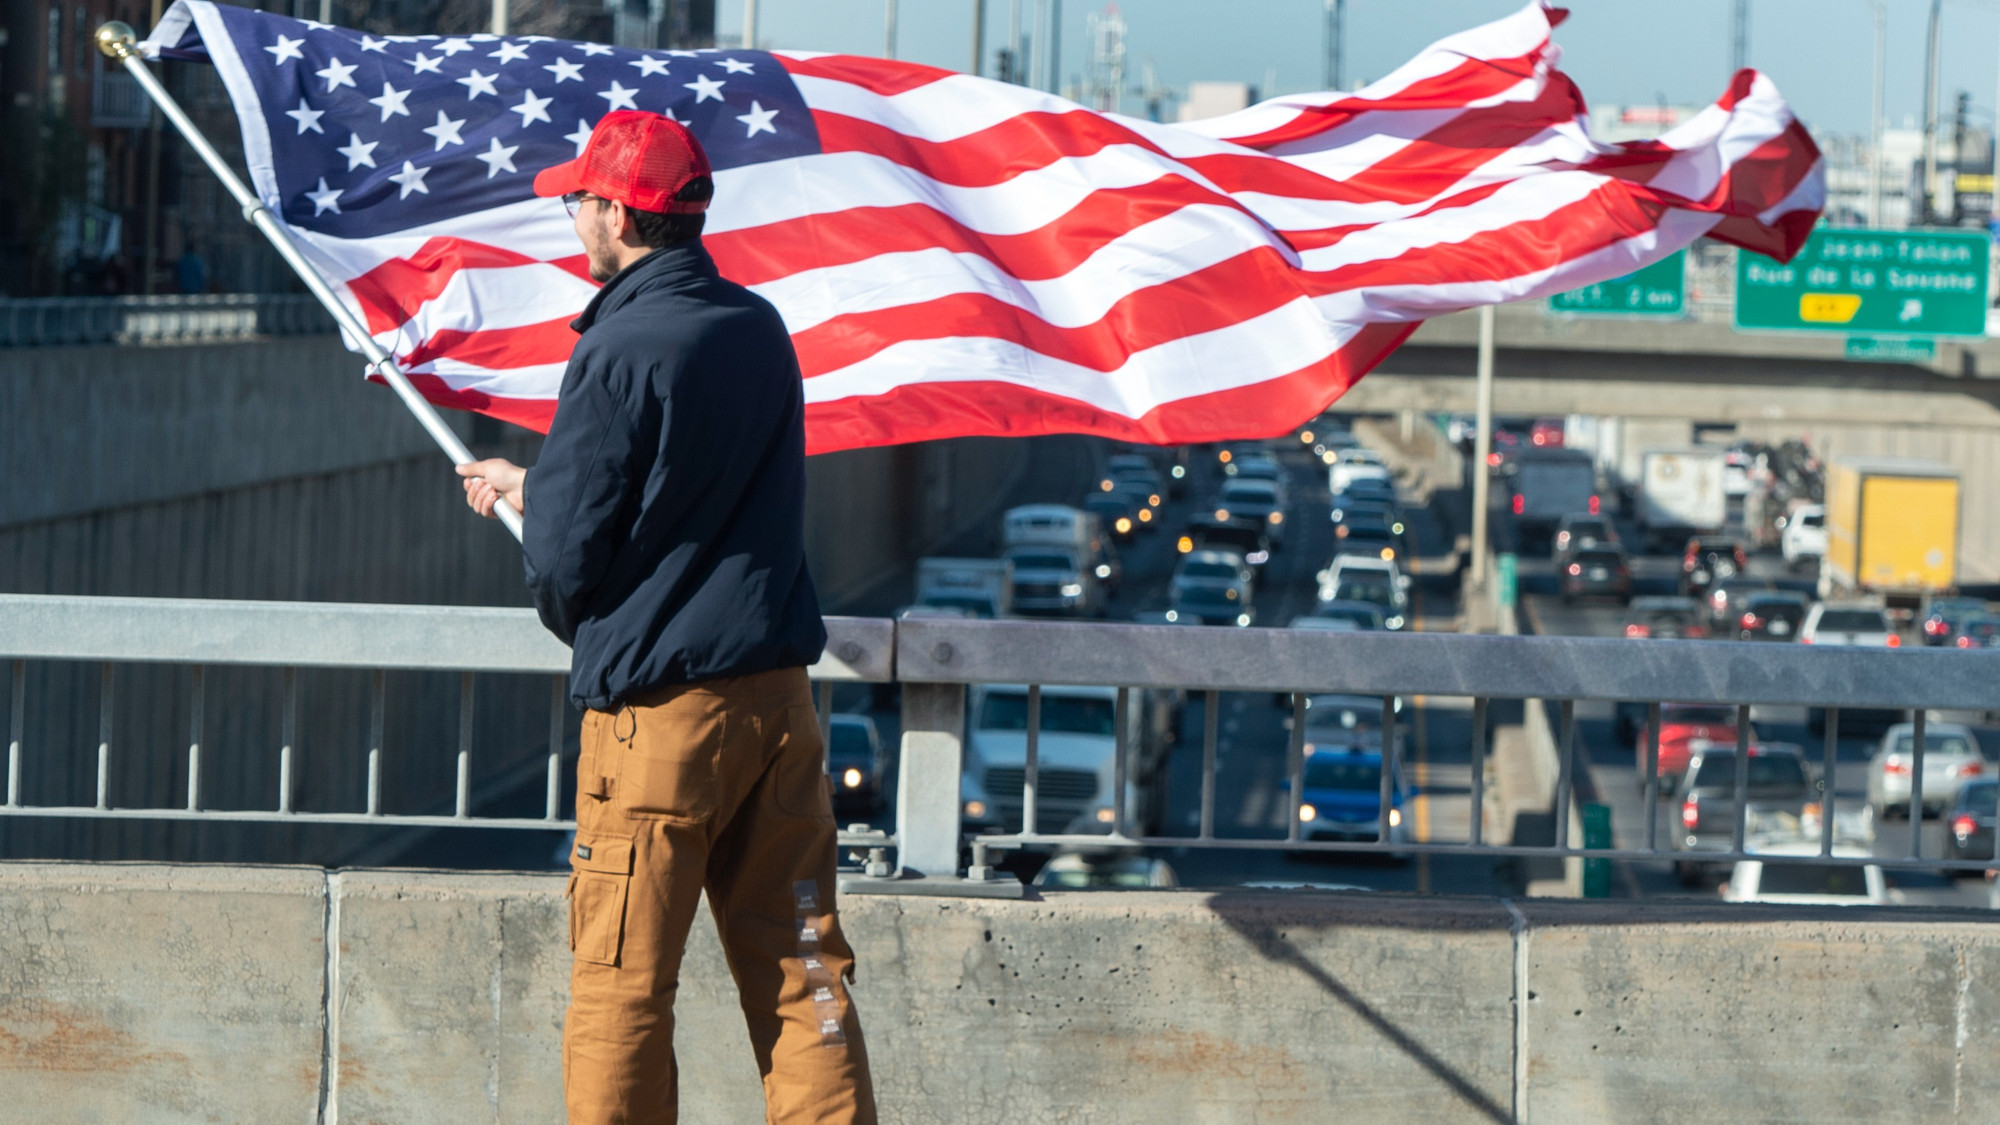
[[358, 151], [497, 157], [379, 46], [649, 66], [581, 137], [323, 200], [592, 48], [532, 108], [454, 46], [618, 96], [286, 49], [446, 131], [704, 88], [424, 63], [307, 118], [508, 52], [391, 102], [411, 178], [737, 66], [476, 84], [759, 120], [565, 71], [337, 74]]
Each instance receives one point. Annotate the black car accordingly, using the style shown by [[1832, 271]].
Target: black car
[[1597, 572], [1246, 537], [1351, 509], [1978, 632], [1970, 818], [1665, 618], [1726, 599], [1115, 511], [1945, 617], [855, 764], [1771, 616], [1709, 559], [1576, 532]]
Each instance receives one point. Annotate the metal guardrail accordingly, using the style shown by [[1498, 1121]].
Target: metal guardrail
[[38, 322], [936, 660]]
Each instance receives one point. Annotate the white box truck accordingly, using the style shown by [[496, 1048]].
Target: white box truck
[[1622, 444], [1681, 493], [980, 587]]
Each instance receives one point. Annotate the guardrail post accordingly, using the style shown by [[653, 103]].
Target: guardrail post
[[933, 753]]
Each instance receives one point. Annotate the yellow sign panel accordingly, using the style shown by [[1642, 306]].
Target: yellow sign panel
[[1829, 308], [1973, 182]]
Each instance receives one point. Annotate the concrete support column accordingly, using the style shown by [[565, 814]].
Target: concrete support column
[[933, 753]]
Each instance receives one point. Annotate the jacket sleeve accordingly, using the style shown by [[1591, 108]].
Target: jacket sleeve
[[579, 495]]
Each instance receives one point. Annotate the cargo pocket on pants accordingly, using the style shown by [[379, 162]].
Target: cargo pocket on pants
[[600, 879], [799, 782]]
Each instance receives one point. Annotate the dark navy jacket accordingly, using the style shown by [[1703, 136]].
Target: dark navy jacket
[[664, 530]]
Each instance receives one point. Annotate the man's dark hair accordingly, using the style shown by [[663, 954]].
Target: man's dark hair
[[658, 229]]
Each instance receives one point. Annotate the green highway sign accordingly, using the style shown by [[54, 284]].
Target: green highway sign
[[1899, 349], [1870, 282], [1657, 290]]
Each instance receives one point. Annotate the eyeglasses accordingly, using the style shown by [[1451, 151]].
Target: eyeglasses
[[574, 201]]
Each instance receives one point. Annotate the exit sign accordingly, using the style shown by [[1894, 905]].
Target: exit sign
[[1656, 290], [1869, 282]]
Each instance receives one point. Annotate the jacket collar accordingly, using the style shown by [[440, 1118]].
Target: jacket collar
[[669, 268]]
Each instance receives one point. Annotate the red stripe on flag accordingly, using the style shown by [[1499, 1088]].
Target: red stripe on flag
[[1471, 80], [527, 345], [882, 76], [392, 292], [529, 413]]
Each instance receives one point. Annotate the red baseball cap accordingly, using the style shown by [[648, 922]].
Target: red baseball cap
[[639, 159]]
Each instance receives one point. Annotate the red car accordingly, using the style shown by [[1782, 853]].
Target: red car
[[1685, 728]]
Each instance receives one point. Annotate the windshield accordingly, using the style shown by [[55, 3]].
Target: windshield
[[848, 742], [1250, 491], [1060, 714], [1219, 599], [1812, 879], [1600, 558], [1349, 590], [1853, 621], [1588, 529], [1342, 771], [1209, 570], [1813, 519], [1043, 562], [1718, 771], [1953, 744]]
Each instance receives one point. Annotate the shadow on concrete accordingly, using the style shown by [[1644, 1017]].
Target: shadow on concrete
[[1252, 916]]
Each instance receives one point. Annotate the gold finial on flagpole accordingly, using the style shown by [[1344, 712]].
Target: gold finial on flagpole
[[117, 40]]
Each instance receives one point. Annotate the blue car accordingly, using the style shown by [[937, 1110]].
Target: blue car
[[1343, 796]]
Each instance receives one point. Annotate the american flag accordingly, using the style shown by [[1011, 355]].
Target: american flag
[[955, 255]]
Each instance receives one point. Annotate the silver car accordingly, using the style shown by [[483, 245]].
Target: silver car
[[1951, 758]]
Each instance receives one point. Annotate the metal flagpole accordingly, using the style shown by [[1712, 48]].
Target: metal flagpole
[[117, 41], [1482, 445]]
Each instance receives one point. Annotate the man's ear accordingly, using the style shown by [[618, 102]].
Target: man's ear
[[621, 221]]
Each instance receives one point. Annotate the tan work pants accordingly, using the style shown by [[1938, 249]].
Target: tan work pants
[[718, 785]]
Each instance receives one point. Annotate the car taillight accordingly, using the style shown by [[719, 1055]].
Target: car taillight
[[1576, 568], [1493, 459], [1742, 560], [1690, 813], [1971, 769], [1895, 768], [1719, 599], [1751, 621], [1520, 503], [1687, 562], [1965, 642], [1962, 826], [1695, 632], [1805, 640], [1934, 627], [1593, 505], [1637, 630], [1895, 641]]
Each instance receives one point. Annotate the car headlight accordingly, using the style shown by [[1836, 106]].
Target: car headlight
[[1305, 437], [1389, 554], [1103, 571], [851, 779], [1123, 525], [1185, 545], [1106, 486], [1105, 815], [1395, 622], [1173, 615], [1395, 818], [1277, 517], [1145, 515], [1243, 619], [1179, 471], [1222, 515], [1307, 812], [1072, 590], [1152, 500], [1329, 457], [975, 810]]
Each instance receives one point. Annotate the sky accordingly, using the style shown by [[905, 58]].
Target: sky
[[1820, 52]]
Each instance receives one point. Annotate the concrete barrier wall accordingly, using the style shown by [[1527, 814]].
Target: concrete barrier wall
[[171, 994]]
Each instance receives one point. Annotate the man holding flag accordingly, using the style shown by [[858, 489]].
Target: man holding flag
[[664, 540]]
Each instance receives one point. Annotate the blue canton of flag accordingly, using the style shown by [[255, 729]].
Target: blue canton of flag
[[368, 136]]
